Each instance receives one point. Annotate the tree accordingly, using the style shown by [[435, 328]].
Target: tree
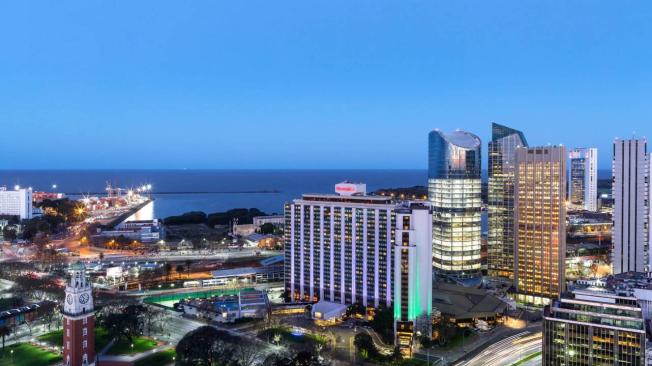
[[179, 270], [5, 331], [127, 324], [167, 268], [188, 264], [246, 353], [193, 217], [365, 345], [9, 233], [356, 309], [383, 324], [204, 346], [303, 358], [267, 228], [48, 313]]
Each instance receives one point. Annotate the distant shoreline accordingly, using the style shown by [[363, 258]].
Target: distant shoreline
[[185, 192]]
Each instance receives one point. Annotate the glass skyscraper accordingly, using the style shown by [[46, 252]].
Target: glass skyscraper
[[500, 241], [583, 178], [454, 189]]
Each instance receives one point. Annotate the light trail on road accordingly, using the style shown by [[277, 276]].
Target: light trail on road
[[507, 351]]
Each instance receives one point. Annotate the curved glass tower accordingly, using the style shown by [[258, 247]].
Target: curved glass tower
[[454, 188]]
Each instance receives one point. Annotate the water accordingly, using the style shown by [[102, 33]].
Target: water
[[289, 184]]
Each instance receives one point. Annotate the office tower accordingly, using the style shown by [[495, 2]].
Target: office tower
[[454, 189], [17, 202], [630, 192], [338, 247], [593, 328], [412, 273], [500, 241], [540, 222], [583, 178]]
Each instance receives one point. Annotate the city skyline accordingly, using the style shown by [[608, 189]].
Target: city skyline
[[203, 84], [325, 183]]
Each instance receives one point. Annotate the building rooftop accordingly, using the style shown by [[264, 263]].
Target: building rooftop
[[330, 197], [234, 272], [464, 302], [326, 307], [461, 138]]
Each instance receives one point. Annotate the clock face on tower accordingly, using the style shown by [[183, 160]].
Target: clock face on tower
[[69, 299], [83, 298]]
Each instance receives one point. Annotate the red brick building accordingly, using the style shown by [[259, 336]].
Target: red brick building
[[79, 320]]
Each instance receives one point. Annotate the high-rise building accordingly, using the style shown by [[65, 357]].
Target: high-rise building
[[540, 222], [593, 328], [454, 190], [412, 273], [78, 320], [630, 191], [583, 178], [17, 202], [338, 247], [502, 167]]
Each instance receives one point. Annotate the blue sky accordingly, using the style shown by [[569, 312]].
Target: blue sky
[[311, 84]]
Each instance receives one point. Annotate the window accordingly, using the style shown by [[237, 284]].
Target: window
[[68, 345], [85, 331], [68, 332], [85, 321], [85, 344]]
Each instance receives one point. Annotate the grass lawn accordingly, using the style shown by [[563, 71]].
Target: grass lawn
[[412, 362], [123, 346], [158, 359], [26, 354], [526, 359], [55, 338], [102, 338]]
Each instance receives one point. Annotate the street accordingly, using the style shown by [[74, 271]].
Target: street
[[508, 351]]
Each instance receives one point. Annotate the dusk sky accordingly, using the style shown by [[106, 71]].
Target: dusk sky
[[312, 84]]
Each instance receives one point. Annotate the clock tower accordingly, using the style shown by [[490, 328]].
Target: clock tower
[[78, 320]]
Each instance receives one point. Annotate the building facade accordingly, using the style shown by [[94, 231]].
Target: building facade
[[17, 202], [454, 191], [631, 212], [583, 178], [500, 199], [338, 248], [540, 222], [593, 328], [412, 273], [78, 320]]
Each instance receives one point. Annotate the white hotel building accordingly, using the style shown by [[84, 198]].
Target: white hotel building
[[17, 202], [340, 248]]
